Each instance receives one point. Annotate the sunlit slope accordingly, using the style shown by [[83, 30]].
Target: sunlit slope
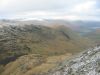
[[33, 64]]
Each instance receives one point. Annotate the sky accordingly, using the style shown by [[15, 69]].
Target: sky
[[50, 9]]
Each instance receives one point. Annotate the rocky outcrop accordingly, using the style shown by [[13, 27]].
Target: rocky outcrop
[[86, 63]]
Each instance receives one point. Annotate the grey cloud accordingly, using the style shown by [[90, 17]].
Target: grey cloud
[[60, 7], [35, 5]]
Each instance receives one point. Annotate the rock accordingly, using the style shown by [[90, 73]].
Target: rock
[[86, 63]]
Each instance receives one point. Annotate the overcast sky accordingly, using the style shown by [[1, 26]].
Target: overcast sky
[[50, 9]]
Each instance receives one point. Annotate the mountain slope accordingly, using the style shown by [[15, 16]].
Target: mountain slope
[[19, 40]]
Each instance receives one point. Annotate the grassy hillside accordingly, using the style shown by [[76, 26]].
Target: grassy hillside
[[34, 64], [16, 41]]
